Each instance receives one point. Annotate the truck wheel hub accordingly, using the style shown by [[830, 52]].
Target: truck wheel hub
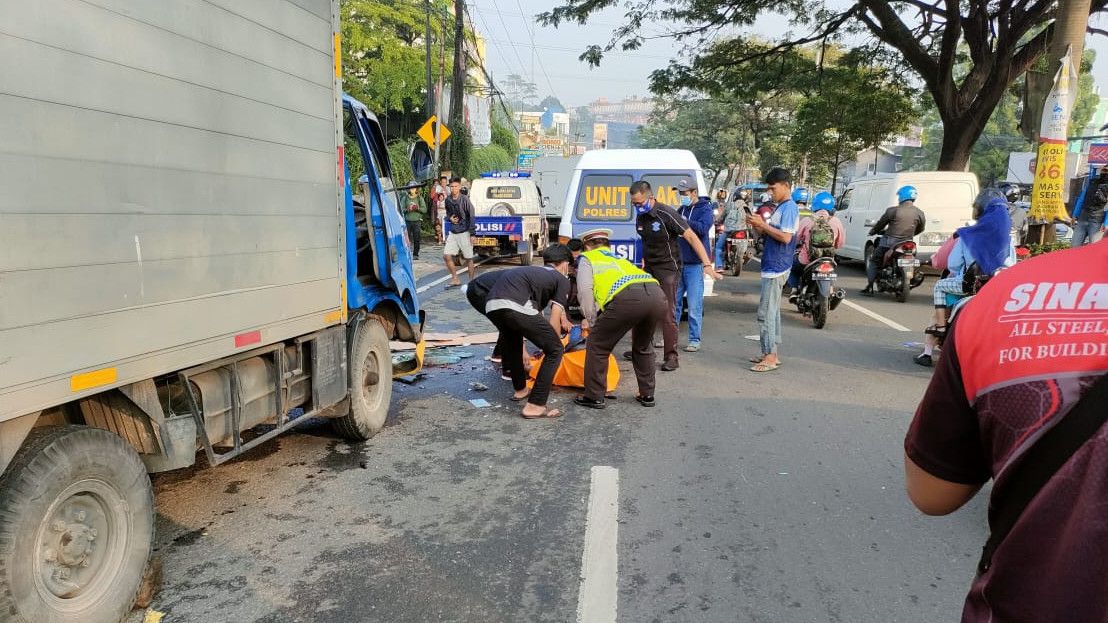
[[74, 543]]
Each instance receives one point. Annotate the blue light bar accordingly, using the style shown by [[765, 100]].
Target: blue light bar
[[502, 174]]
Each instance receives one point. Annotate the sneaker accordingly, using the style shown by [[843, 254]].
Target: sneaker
[[924, 360], [786, 290], [692, 347], [589, 402], [670, 366], [867, 291], [646, 401], [659, 344]]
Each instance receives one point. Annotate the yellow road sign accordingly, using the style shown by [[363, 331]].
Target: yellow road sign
[[427, 132]]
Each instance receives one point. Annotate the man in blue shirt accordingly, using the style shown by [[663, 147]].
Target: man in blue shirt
[[697, 211], [779, 234]]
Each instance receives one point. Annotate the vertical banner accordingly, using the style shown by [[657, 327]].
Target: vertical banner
[[1047, 192]]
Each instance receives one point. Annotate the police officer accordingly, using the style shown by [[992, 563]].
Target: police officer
[[616, 297]]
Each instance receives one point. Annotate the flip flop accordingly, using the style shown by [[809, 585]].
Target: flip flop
[[546, 413], [520, 398], [764, 367], [452, 285], [759, 360]]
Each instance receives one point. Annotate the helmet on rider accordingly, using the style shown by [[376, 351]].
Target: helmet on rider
[[823, 201], [1011, 192], [800, 195], [984, 198], [906, 193]]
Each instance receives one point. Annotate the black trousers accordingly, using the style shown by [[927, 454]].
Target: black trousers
[[415, 234], [514, 327], [668, 282], [638, 309]]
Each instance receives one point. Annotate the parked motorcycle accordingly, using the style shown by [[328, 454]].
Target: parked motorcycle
[[737, 251], [899, 272], [817, 295]]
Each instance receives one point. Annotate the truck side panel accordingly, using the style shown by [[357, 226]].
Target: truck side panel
[[160, 198]]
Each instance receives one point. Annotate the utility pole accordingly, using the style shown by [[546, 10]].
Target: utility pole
[[457, 84], [439, 94], [1070, 23], [428, 102]]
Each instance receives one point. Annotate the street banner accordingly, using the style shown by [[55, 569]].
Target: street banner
[[1046, 195], [1098, 154]]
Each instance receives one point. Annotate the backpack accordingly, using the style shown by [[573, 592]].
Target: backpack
[[821, 240]]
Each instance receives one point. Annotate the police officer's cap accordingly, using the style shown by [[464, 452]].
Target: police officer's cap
[[600, 233]]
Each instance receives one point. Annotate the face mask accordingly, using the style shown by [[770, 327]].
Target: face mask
[[642, 208], [685, 201]]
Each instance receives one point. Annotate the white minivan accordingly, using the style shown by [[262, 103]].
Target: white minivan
[[598, 191], [946, 198]]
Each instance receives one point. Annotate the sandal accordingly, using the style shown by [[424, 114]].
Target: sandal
[[515, 398], [763, 358], [546, 413], [764, 367], [936, 330]]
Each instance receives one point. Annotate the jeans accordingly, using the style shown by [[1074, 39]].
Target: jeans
[[873, 263], [769, 314], [1085, 232], [795, 274], [721, 241], [690, 283]]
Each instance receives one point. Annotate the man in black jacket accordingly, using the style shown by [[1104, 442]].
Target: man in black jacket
[[901, 222]]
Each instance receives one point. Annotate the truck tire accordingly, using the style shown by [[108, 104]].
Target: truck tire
[[370, 383], [526, 259], [76, 527]]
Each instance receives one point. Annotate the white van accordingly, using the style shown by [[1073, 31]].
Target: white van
[[598, 192], [946, 198], [509, 215]]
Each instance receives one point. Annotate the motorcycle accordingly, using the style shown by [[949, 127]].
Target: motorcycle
[[817, 295], [899, 272], [737, 251]]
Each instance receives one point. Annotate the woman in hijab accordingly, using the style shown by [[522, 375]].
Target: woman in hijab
[[987, 243]]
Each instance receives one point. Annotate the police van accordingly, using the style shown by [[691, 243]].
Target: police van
[[509, 217], [598, 194]]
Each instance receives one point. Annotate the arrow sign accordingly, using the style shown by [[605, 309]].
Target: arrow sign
[[427, 132]]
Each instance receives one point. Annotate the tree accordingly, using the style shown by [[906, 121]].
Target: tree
[[966, 53], [505, 138], [382, 52], [708, 128], [521, 93], [552, 104]]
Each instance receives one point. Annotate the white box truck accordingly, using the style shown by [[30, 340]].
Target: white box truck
[[199, 247]]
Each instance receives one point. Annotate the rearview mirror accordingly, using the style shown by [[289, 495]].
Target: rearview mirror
[[423, 163]]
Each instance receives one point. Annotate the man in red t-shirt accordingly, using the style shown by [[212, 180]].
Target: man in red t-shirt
[[1020, 355]]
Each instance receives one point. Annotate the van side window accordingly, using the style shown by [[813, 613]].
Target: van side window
[[604, 198]]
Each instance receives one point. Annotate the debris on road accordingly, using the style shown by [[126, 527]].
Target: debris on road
[[153, 616], [441, 340], [478, 387], [480, 403], [412, 379]]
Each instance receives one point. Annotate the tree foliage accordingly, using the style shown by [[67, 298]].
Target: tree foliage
[[505, 138], [966, 54]]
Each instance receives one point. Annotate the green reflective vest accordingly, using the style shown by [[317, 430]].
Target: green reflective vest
[[611, 274]]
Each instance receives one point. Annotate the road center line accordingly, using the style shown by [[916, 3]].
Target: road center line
[[875, 315], [446, 277], [596, 601]]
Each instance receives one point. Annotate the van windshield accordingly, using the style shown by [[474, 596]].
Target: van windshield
[[604, 198], [663, 183]]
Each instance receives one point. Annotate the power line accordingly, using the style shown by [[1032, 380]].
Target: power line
[[496, 44], [509, 34], [578, 51], [531, 31]]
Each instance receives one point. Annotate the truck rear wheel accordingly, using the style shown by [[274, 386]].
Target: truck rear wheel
[[76, 527], [370, 383]]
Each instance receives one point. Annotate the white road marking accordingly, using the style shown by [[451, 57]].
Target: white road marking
[[596, 601], [422, 289], [876, 316]]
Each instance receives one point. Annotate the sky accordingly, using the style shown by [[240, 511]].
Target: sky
[[510, 29]]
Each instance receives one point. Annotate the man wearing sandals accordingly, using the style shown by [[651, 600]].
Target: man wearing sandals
[[515, 305], [778, 232], [631, 300]]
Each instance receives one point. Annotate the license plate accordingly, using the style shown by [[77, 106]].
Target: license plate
[[825, 276], [485, 242], [907, 262]]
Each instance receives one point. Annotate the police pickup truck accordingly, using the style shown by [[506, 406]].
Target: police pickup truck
[[509, 214]]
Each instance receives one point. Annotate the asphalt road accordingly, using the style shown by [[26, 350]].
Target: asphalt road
[[741, 497]]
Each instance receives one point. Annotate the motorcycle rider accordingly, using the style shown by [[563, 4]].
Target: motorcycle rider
[[1017, 213], [818, 236], [801, 197], [732, 218], [900, 223], [986, 244]]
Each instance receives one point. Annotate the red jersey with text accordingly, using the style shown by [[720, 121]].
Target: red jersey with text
[[1020, 355]]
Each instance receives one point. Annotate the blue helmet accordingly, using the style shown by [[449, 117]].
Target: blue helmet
[[800, 195], [823, 201], [906, 193]]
